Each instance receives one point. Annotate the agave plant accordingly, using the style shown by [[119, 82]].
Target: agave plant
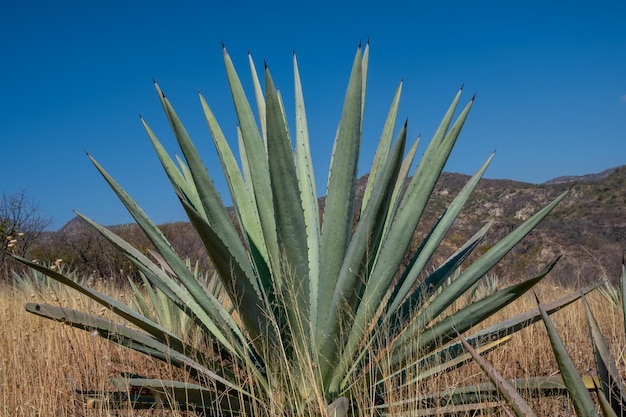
[[327, 311]]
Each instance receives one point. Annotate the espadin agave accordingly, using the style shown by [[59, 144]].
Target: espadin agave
[[324, 315]]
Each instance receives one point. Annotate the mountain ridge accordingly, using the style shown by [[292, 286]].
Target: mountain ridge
[[588, 228]]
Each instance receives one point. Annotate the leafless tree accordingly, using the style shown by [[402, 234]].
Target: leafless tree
[[21, 224]]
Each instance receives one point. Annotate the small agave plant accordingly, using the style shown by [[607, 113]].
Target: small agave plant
[[323, 314]]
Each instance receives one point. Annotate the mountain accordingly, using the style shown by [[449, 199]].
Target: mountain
[[588, 229], [582, 178]]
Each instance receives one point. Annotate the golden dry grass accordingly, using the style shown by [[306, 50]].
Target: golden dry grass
[[43, 361]]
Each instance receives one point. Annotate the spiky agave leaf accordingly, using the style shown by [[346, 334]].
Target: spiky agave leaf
[[583, 404], [338, 213], [308, 193], [384, 145]]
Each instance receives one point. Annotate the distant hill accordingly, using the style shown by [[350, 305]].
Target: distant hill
[[588, 228], [582, 178]]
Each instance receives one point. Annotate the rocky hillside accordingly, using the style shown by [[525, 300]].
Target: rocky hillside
[[588, 229]]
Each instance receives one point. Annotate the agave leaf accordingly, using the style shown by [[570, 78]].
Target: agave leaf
[[133, 339], [290, 222], [442, 360], [583, 404], [447, 410], [257, 164], [308, 194], [396, 242], [140, 300], [152, 231], [160, 303], [411, 207], [365, 239], [186, 173], [168, 313], [505, 389], [260, 99], [259, 254], [437, 278], [185, 395], [384, 146], [225, 240], [612, 384], [143, 393], [495, 333], [364, 68], [245, 166], [400, 184], [243, 203], [118, 400], [485, 395], [339, 206], [403, 314], [216, 214], [157, 303], [180, 181]]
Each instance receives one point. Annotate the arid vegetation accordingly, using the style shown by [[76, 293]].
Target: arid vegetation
[[43, 362]]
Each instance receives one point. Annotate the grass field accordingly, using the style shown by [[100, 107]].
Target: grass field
[[43, 362]]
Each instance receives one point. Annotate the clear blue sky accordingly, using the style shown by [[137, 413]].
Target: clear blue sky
[[550, 79]]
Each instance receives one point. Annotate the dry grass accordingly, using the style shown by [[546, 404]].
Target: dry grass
[[43, 361]]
